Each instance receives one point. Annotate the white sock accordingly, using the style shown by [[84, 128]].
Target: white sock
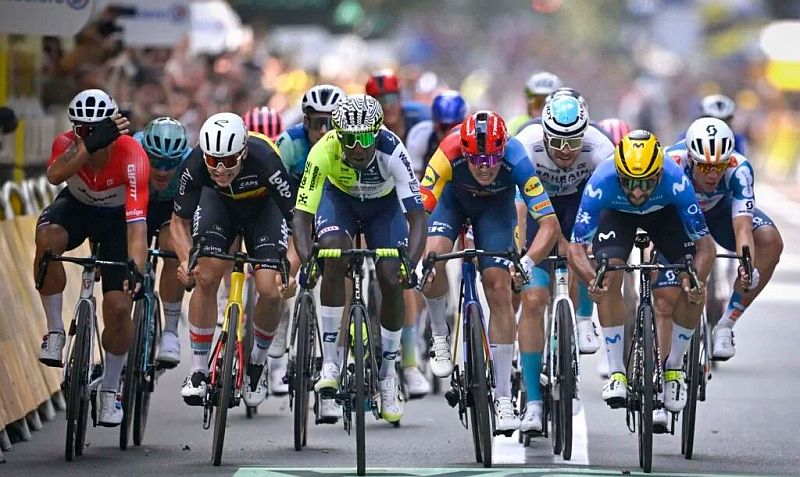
[[113, 371], [583, 318], [172, 315], [502, 354], [681, 337], [615, 348], [201, 340], [52, 305], [437, 309], [331, 322], [390, 343], [262, 339]]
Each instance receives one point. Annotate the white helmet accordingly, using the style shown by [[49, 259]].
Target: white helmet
[[322, 98], [223, 134], [542, 83], [565, 116], [718, 106], [358, 113], [709, 141], [91, 106]]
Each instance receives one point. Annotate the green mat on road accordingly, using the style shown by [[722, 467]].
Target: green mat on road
[[457, 472]]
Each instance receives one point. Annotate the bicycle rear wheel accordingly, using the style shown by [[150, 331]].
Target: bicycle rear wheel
[[77, 379], [360, 388], [147, 379], [303, 362], [478, 387], [225, 383], [249, 307], [694, 374], [566, 376], [133, 368], [647, 391]]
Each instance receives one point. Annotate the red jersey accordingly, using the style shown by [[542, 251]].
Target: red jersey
[[123, 181]]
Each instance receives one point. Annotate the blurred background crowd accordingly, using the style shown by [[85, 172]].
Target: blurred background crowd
[[645, 61]]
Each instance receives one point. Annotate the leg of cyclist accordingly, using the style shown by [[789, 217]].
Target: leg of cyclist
[[171, 293], [666, 292], [416, 383], [535, 298]]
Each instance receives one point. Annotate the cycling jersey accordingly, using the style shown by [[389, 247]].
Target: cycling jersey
[[414, 113], [603, 191], [557, 181], [123, 181], [261, 177], [449, 166], [171, 191], [294, 147], [518, 123], [390, 170], [421, 142], [736, 185]]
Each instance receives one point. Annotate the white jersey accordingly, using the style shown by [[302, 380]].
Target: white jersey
[[418, 141], [557, 181]]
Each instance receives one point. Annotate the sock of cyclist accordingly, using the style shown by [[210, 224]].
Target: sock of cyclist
[[615, 348], [734, 310], [52, 309], [531, 368], [200, 339], [390, 344], [585, 303], [172, 315], [440, 362], [502, 355], [263, 338]]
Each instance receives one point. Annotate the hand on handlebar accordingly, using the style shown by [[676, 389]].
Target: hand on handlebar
[[696, 294], [133, 285], [287, 290], [184, 276], [597, 293], [748, 282]]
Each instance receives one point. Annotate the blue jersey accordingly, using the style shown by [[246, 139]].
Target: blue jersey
[[294, 146], [414, 113], [603, 191], [736, 183], [171, 191]]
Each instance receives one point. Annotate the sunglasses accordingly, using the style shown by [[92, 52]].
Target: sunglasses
[[315, 124], [559, 143], [484, 160], [228, 162], [82, 130], [646, 185], [708, 168], [389, 98], [364, 139], [163, 163]]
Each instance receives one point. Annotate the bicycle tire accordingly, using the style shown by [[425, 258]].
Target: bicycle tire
[[133, 367], [225, 389], [302, 370], [357, 316], [78, 372], [693, 376], [249, 307], [83, 411], [566, 352], [479, 386], [147, 380], [646, 388], [554, 410]]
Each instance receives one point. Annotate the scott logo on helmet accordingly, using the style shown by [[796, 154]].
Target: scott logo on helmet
[[711, 130]]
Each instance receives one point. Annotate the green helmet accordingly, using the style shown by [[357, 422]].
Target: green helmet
[[164, 140]]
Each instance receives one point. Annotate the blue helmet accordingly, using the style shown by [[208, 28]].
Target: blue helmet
[[449, 107], [164, 141]]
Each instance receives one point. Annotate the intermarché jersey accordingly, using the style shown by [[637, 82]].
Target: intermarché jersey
[[389, 170], [171, 191], [736, 183], [603, 191], [557, 181], [261, 177], [122, 182], [448, 165]]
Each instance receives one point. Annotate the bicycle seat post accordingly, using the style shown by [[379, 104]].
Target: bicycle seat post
[[641, 241]]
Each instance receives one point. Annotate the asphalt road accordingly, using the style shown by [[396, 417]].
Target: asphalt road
[[748, 425]]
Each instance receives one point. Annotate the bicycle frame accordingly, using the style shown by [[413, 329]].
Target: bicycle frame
[[87, 295], [560, 289]]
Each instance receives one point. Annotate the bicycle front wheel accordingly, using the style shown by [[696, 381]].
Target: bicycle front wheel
[[360, 389], [225, 383], [478, 385], [647, 390], [133, 368], [147, 379], [694, 374], [77, 379], [566, 376], [302, 369]]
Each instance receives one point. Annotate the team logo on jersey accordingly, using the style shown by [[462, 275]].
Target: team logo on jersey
[[541, 205], [594, 193], [601, 236], [533, 187], [678, 188]]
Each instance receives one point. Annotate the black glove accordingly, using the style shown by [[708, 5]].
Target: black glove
[[135, 277], [104, 133]]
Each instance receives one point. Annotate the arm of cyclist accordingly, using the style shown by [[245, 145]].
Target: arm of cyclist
[[694, 225], [408, 193], [586, 222], [184, 206], [743, 206], [68, 156], [280, 182], [743, 231], [137, 195]]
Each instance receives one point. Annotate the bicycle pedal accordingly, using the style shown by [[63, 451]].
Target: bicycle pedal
[[660, 429], [164, 365], [616, 403], [533, 433], [507, 433], [329, 393], [719, 360]]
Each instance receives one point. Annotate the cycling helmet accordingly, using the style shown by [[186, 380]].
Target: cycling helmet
[[264, 121], [564, 116], [639, 155], [483, 133], [568, 92], [91, 106], [542, 83], [358, 113], [322, 98], [382, 82], [710, 141], [164, 138], [615, 128], [223, 134], [448, 107], [718, 106]]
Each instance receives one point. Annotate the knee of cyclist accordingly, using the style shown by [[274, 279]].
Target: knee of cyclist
[[498, 291], [118, 310], [388, 276], [51, 237], [664, 305], [534, 302], [774, 244], [207, 277], [267, 290]]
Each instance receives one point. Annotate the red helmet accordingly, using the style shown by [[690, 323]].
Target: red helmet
[[265, 121], [382, 82], [483, 134], [615, 128]]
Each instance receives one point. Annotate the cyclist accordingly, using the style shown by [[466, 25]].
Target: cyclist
[[106, 172], [615, 129], [723, 182], [232, 184], [359, 173], [317, 105], [537, 88], [447, 110], [639, 189], [264, 120], [164, 141], [473, 175], [565, 149], [399, 116]]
